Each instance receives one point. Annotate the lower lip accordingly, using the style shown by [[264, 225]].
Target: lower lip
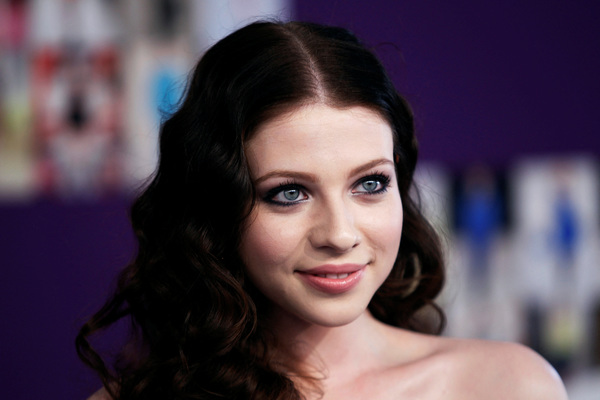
[[333, 286]]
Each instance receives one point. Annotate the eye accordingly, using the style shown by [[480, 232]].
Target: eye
[[286, 195], [372, 184], [290, 194]]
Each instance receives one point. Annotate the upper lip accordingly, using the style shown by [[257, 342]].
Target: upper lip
[[334, 269]]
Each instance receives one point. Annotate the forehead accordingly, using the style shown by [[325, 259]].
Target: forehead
[[320, 134], [298, 113]]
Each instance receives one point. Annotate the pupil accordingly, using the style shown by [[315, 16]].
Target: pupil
[[370, 185], [291, 194]]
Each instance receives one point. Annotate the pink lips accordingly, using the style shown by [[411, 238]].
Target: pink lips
[[333, 279]]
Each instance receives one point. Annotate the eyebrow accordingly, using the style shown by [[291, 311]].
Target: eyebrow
[[313, 178], [370, 164]]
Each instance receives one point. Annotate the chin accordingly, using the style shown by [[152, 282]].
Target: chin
[[334, 317]]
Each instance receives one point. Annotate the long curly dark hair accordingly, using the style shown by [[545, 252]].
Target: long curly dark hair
[[196, 327]]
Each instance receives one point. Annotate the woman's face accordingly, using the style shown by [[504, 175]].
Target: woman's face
[[326, 228]]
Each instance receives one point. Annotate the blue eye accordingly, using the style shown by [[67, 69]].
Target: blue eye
[[291, 194], [285, 195], [372, 184]]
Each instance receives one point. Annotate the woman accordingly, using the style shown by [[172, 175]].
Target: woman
[[280, 255]]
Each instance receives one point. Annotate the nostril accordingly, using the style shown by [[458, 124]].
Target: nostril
[[336, 239], [334, 227]]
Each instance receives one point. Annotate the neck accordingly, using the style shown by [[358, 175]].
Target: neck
[[330, 351]]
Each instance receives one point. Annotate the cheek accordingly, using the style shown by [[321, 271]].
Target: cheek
[[268, 243], [390, 236], [386, 230]]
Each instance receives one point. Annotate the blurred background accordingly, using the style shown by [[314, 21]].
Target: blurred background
[[506, 97]]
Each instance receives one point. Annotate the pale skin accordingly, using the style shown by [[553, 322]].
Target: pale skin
[[327, 152], [327, 192]]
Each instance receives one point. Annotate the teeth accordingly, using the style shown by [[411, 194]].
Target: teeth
[[333, 276]]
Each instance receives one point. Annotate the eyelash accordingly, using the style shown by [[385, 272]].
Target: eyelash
[[289, 185], [383, 180]]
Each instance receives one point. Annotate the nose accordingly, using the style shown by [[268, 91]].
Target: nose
[[335, 228]]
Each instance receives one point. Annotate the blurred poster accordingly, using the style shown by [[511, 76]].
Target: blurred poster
[[16, 162], [557, 220], [217, 18], [158, 63], [76, 97], [85, 85], [169, 38]]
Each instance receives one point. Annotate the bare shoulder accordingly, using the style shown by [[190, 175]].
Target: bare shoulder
[[101, 394], [487, 369]]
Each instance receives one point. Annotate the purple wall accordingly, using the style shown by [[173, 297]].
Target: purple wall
[[488, 81], [58, 262]]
